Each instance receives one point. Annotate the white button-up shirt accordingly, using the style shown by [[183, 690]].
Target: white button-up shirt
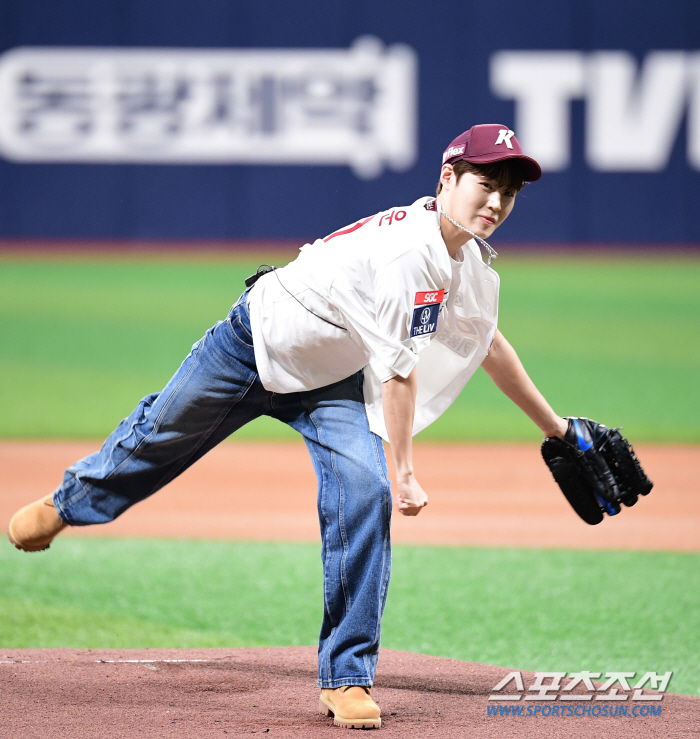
[[369, 296]]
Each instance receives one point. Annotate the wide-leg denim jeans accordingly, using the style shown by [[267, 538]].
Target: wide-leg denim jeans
[[217, 390]]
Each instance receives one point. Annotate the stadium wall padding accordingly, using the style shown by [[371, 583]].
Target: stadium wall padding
[[588, 194]]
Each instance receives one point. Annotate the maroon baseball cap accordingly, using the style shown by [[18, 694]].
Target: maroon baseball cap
[[490, 142]]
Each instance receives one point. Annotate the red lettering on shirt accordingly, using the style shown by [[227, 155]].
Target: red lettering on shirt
[[350, 229], [399, 215], [427, 298]]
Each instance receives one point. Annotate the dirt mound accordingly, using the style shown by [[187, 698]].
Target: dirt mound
[[101, 694]]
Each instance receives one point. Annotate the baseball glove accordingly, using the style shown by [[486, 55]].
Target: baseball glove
[[596, 469]]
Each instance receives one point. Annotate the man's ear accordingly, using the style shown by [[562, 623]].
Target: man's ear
[[446, 174]]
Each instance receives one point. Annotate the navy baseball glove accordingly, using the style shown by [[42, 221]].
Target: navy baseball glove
[[596, 469]]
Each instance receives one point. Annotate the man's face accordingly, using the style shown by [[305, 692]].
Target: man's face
[[475, 201]]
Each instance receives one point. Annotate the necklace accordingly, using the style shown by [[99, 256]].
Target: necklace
[[493, 254]]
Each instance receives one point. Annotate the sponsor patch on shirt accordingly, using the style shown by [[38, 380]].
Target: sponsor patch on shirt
[[425, 314], [431, 296], [425, 320]]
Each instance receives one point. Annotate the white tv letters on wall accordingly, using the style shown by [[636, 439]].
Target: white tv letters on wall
[[542, 84], [633, 119], [694, 110], [633, 113]]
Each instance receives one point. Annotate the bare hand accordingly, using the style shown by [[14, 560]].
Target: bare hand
[[410, 496]]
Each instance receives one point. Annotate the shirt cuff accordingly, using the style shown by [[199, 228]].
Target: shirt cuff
[[402, 365]]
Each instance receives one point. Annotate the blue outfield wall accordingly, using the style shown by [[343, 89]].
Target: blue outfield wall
[[605, 92]]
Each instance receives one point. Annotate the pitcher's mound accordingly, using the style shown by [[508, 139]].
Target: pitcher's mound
[[64, 693]]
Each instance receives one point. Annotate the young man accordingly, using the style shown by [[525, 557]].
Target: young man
[[371, 332]]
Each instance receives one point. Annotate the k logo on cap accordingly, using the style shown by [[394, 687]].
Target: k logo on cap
[[504, 137]]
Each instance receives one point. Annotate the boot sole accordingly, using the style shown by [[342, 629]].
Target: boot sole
[[348, 723], [26, 549]]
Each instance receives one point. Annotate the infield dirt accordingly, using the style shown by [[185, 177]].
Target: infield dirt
[[481, 495], [499, 495]]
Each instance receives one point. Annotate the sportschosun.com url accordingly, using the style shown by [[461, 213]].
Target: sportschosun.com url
[[579, 711]]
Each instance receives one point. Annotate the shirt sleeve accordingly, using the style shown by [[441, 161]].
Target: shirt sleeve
[[397, 285]]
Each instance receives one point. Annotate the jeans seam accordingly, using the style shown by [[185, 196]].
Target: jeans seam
[[159, 416], [343, 533], [387, 486], [229, 322], [386, 573], [134, 454], [323, 484], [85, 488], [327, 658], [343, 536], [325, 546], [386, 537], [243, 328]]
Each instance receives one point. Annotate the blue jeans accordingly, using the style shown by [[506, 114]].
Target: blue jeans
[[216, 391]]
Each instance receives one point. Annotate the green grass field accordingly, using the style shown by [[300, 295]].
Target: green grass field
[[530, 609], [617, 339]]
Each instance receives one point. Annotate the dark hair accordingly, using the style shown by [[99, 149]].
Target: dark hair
[[508, 173]]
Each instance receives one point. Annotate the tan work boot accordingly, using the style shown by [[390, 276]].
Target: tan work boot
[[33, 528], [351, 707]]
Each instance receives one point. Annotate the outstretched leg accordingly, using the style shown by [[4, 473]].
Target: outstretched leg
[[215, 391]]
